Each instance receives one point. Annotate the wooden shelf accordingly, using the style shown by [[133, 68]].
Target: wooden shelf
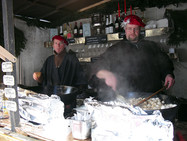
[[111, 37]]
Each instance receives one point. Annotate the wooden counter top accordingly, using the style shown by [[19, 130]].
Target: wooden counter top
[[31, 132], [25, 132]]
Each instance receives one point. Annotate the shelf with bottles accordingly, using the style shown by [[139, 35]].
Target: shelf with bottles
[[100, 26], [119, 35], [114, 36]]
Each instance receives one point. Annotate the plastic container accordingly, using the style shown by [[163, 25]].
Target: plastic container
[[81, 129]]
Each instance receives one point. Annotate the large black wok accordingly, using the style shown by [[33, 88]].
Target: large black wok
[[105, 93], [67, 94], [168, 114]]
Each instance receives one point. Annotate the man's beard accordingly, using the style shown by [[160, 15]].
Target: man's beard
[[133, 39]]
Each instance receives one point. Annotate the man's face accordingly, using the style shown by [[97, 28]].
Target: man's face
[[58, 46], [132, 32]]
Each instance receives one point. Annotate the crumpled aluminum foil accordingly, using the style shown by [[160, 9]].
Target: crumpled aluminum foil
[[41, 108], [120, 121]]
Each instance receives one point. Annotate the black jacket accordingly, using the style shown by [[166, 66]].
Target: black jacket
[[140, 67], [69, 73]]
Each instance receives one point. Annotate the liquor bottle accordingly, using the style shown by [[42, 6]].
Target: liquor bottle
[[75, 30], [107, 25], [60, 30], [117, 24], [80, 30], [122, 18], [103, 22], [111, 25], [69, 31], [5, 112], [121, 21], [65, 30]]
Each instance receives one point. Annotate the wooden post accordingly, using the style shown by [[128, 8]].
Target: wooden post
[[9, 44]]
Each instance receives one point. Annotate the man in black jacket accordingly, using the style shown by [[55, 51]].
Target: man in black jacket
[[135, 64], [61, 68]]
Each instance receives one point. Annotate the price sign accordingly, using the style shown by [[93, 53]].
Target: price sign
[[11, 105], [7, 67], [8, 80], [72, 40], [96, 39], [10, 92]]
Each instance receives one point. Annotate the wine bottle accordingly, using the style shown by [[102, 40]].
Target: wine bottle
[[117, 24], [121, 21], [107, 25], [103, 24], [75, 30], [60, 30], [65, 30], [69, 31], [111, 25], [80, 30]]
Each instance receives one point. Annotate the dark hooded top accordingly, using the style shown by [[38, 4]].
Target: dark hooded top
[[140, 67], [69, 73]]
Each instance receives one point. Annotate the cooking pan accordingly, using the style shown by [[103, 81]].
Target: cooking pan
[[67, 94], [169, 113]]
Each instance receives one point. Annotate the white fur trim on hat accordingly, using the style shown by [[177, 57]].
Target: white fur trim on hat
[[123, 24]]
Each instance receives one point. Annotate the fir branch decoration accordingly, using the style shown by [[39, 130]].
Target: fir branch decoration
[[178, 32], [20, 40]]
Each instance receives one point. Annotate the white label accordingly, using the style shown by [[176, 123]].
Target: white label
[[106, 30], [65, 33], [75, 31], [116, 25], [80, 31], [60, 30], [10, 92], [8, 80], [111, 29], [11, 105], [7, 67]]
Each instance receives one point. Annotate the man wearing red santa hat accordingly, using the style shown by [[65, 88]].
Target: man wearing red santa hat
[[61, 68], [132, 24], [134, 64]]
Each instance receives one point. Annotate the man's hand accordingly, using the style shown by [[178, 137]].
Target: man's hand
[[37, 76], [169, 81], [109, 77]]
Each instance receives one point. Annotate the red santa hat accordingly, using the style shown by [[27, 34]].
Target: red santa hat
[[60, 38], [133, 19]]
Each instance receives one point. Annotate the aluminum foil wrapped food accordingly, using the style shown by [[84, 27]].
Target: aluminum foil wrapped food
[[120, 121], [41, 108]]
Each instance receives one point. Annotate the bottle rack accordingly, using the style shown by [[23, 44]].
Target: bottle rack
[[86, 52]]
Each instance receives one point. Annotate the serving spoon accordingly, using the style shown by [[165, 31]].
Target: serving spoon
[[145, 99]]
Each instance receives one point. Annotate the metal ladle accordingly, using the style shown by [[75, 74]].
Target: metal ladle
[[140, 102]]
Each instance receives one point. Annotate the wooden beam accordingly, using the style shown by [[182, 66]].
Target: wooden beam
[[9, 43], [59, 7], [37, 2], [22, 8], [93, 5]]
